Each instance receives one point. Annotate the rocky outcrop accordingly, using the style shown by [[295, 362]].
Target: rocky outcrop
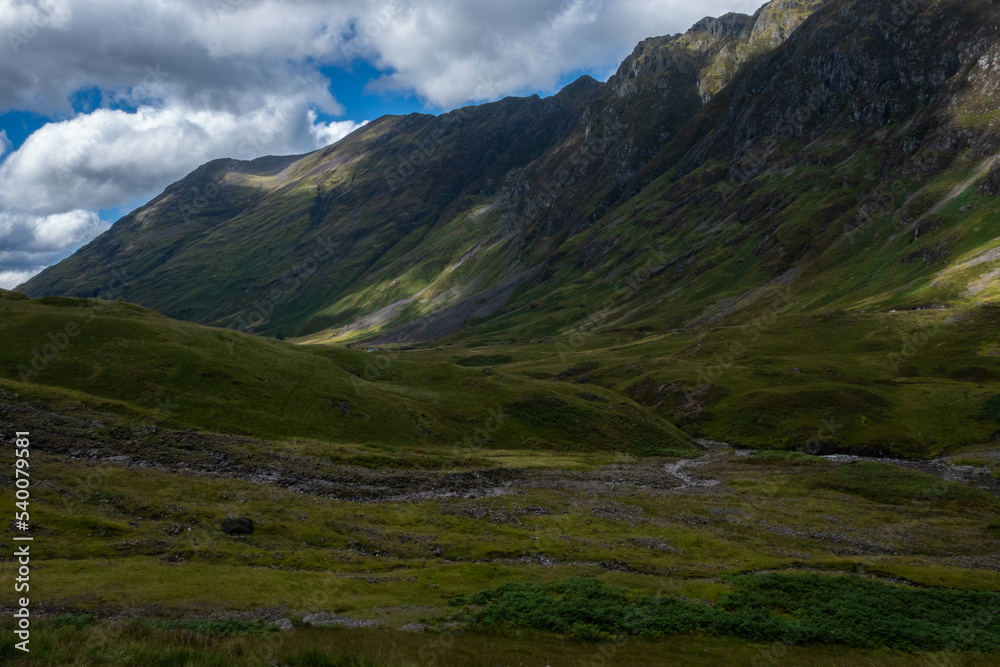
[[991, 187], [726, 44]]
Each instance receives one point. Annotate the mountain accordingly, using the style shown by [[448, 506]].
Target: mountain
[[412, 215], [750, 227]]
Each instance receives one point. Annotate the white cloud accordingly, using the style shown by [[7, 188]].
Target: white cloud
[[330, 133], [29, 243], [5, 143], [446, 51], [219, 52], [451, 52], [52, 233], [11, 279]]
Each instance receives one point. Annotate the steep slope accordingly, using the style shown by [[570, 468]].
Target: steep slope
[[841, 162], [744, 40], [409, 216], [310, 226]]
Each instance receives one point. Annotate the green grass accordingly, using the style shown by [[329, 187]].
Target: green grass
[[163, 643], [150, 541], [890, 484], [177, 375], [137, 644], [784, 458], [316, 658]]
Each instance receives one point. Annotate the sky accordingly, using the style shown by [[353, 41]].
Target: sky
[[103, 103]]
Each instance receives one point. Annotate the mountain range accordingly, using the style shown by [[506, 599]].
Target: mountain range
[[821, 163]]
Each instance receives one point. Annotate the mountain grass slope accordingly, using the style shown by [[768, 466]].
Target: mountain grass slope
[[170, 374]]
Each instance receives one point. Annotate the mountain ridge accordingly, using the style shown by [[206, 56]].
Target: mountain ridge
[[419, 217]]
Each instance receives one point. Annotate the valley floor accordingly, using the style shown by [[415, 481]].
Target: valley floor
[[358, 551]]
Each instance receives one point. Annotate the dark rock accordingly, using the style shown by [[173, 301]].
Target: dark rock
[[991, 187], [237, 526]]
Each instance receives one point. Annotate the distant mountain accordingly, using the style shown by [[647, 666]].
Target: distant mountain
[[840, 154]]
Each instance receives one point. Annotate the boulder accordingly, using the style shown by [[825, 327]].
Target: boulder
[[237, 526]]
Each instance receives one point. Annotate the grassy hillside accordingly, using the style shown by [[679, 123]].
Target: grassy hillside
[[444, 487], [909, 383], [178, 375]]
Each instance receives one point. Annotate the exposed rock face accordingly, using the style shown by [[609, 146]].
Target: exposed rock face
[[857, 66], [992, 185], [728, 43]]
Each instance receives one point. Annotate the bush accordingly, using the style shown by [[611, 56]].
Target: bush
[[989, 409], [846, 610], [214, 628]]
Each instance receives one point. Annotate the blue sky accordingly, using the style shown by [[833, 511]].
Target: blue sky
[[103, 103]]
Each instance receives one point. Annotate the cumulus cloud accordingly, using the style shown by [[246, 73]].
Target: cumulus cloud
[[5, 143], [451, 52], [446, 51], [325, 134], [222, 54]]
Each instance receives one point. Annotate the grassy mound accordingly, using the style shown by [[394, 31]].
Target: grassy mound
[[566, 425], [165, 373], [893, 485]]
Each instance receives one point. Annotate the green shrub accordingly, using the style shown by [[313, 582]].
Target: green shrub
[[989, 409], [846, 610], [10, 295], [212, 628]]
